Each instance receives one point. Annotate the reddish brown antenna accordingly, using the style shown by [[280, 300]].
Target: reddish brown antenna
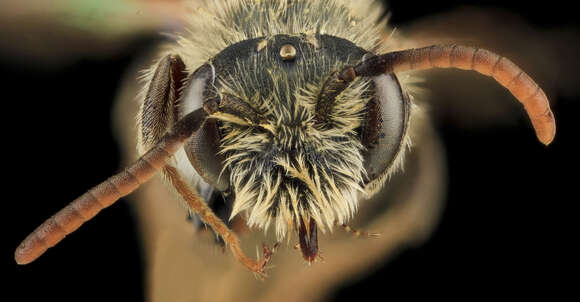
[[82, 209], [504, 71]]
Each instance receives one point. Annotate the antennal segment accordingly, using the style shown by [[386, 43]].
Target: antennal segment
[[108, 192]]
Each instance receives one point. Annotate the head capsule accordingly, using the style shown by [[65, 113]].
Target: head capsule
[[268, 145]]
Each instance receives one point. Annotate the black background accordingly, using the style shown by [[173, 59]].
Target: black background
[[507, 230]]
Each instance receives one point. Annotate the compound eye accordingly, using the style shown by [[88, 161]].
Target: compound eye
[[202, 149], [384, 127]]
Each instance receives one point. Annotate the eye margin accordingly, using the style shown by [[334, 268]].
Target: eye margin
[[384, 130], [202, 149]]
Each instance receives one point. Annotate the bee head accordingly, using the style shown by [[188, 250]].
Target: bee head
[[290, 154]]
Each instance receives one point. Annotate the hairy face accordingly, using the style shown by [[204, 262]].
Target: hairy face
[[290, 169], [290, 155]]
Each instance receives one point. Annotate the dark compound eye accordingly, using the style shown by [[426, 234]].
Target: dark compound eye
[[203, 146], [385, 126]]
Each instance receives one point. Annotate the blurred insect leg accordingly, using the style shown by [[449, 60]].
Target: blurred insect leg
[[192, 217], [108, 192], [222, 207], [358, 233], [208, 216]]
